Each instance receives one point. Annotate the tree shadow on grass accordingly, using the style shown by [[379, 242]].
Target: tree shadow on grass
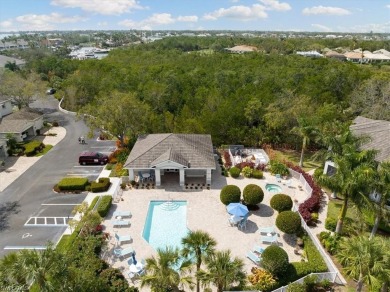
[[6, 210]]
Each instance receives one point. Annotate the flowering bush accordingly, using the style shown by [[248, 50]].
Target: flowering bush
[[261, 279], [313, 203], [228, 161], [244, 164]]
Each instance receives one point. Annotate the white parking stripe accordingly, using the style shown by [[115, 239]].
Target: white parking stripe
[[11, 247], [45, 224], [60, 204]]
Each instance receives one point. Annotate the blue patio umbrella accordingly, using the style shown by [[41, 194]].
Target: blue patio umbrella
[[134, 260], [237, 209]]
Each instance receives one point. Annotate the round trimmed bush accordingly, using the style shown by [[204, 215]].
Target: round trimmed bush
[[235, 172], [281, 202], [253, 194], [230, 194], [289, 222], [257, 174], [275, 260]]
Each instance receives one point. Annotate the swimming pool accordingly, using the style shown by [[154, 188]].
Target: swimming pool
[[273, 188], [166, 223]]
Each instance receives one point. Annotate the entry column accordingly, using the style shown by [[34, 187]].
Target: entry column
[[208, 176], [181, 171], [158, 177]]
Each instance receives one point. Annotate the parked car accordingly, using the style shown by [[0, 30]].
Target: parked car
[[50, 91], [88, 157]]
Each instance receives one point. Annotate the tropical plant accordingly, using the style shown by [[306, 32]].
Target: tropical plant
[[353, 179], [306, 131], [261, 279], [253, 194], [366, 260], [167, 271], [288, 222], [275, 260], [200, 245], [281, 202], [223, 271], [247, 171], [278, 167], [230, 194], [382, 187]]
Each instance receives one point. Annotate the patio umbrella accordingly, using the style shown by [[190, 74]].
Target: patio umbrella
[[237, 209], [134, 260]]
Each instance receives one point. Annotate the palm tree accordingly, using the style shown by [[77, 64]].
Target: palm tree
[[167, 271], [199, 244], [306, 131], [223, 271], [366, 260], [383, 189], [353, 179]]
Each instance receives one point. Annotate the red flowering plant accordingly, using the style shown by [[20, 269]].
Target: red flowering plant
[[228, 161]]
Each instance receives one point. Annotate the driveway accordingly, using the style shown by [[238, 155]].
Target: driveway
[[28, 205]]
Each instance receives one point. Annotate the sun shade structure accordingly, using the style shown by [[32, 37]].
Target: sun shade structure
[[187, 154], [237, 209]]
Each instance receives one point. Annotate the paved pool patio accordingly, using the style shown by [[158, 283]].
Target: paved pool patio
[[204, 212]]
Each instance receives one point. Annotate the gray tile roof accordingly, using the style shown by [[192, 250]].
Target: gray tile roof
[[379, 133], [24, 114], [19, 121], [191, 150], [5, 59]]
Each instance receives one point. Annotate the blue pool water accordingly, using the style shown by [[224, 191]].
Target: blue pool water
[[273, 188], [166, 223]]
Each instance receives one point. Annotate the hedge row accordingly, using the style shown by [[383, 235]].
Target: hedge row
[[73, 184], [31, 148], [313, 203], [101, 186], [104, 206]]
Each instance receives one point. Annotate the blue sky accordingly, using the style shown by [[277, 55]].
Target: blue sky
[[260, 15]]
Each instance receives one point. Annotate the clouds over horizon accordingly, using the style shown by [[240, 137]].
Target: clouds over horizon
[[316, 10], [155, 20]]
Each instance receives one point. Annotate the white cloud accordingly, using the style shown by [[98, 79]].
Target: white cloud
[[276, 5], [106, 7], [325, 10], [238, 12], [321, 27], [375, 27], [234, 1], [148, 23], [188, 18], [388, 6], [6, 24], [102, 23], [44, 21]]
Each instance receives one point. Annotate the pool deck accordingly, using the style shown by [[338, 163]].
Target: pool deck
[[204, 212]]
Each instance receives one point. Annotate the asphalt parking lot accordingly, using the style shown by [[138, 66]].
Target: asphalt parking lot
[[32, 214]]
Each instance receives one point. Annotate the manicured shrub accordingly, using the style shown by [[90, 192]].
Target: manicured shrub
[[330, 242], [289, 222], [261, 279], [253, 194], [73, 184], [278, 167], [104, 206], [33, 147], [93, 203], [247, 171], [230, 194], [101, 186], [281, 202], [234, 172], [275, 260], [296, 287], [257, 174], [330, 224]]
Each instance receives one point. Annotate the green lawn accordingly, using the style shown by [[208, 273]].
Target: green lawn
[[45, 150], [294, 156]]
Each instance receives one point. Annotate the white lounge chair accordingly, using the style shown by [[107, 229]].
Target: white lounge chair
[[123, 252], [271, 239], [254, 258], [121, 223], [122, 214], [268, 230], [258, 249], [122, 238]]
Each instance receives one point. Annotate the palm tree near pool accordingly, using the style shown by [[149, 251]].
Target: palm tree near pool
[[167, 271], [367, 261], [223, 271], [353, 179], [200, 244], [306, 131]]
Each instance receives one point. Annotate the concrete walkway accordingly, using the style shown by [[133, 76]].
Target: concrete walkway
[[16, 166]]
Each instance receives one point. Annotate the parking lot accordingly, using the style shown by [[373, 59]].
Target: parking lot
[[39, 214]]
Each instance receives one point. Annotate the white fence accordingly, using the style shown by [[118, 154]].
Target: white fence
[[308, 189]]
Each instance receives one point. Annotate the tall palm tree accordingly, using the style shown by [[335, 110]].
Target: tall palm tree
[[366, 260], [167, 272], [306, 131], [199, 244], [223, 271], [353, 179], [382, 187]]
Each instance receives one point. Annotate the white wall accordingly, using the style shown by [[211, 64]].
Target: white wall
[[5, 108]]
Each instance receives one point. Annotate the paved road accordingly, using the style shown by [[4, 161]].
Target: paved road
[[31, 194]]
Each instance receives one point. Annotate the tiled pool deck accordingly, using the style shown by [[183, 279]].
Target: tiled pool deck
[[204, 212]]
